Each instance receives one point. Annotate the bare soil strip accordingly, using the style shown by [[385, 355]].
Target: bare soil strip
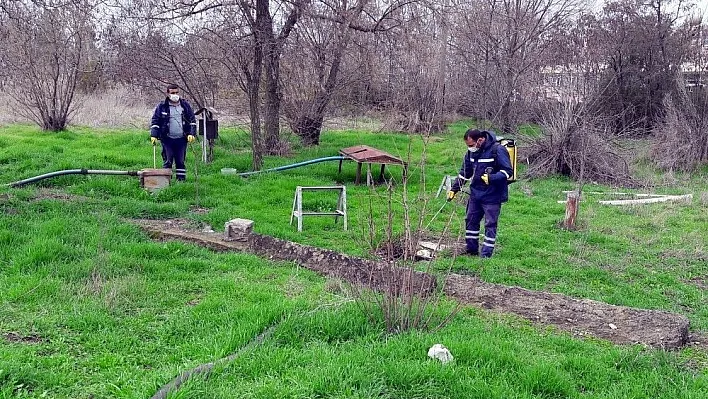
[[581, 317]]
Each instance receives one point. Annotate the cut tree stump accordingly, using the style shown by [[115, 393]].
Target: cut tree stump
[[571, 210]]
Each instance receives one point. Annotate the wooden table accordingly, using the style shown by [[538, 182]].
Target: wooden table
[[362, 154]]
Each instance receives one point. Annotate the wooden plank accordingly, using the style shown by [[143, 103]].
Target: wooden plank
[[684, 198], [312, 188], [362, 153], [308, 213]]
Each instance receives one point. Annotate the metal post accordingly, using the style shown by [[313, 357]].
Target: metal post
[[204, 139]]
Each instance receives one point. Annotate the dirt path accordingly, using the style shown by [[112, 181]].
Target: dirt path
[[581, 317], [619, 324]]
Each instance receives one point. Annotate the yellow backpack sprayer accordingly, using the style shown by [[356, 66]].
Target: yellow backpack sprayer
[[510, 146]]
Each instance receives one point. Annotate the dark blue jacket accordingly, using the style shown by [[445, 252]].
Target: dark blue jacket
[[160, 124], [474, 165]]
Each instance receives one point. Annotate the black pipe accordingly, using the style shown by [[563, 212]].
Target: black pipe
[[71, 172]]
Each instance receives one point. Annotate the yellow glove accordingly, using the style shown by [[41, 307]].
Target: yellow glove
[[485, 178], [153, 140], [451, 195], [190, 138]]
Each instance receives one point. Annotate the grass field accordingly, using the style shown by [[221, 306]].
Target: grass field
[[90, 307]]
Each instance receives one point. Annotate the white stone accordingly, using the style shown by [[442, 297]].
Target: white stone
[[440, 352], [424, 254], [431, 246], [238, 229]]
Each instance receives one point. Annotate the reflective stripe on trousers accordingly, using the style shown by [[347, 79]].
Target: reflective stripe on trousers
[[475, 213], [175, 151]]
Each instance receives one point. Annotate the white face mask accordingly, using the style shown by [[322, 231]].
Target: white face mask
[[174, 97], [473, 149]]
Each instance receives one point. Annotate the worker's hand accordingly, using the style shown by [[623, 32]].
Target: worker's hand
[[153, 140], [190, 138], [451, 195], [485, 178]]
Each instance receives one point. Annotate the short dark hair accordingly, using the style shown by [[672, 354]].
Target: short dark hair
[[474, 134], [172, 86]]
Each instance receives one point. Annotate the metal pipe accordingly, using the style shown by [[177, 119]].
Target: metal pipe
[[295, 165], [71, 172]]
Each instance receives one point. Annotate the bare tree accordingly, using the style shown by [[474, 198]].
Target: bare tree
[[319, 53], [502, 44], [152, 60], [46, 49], [190, 41], [643, 49]]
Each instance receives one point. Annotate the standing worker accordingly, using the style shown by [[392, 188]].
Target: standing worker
[[174, 124], [488, 167]]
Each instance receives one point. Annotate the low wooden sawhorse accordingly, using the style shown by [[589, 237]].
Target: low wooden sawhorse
[[341, 210]]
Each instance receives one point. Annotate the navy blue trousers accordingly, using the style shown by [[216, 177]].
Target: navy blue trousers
[[175, 151], [475, 212]]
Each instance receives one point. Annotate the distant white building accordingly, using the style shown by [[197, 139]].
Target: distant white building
[[572, 82]]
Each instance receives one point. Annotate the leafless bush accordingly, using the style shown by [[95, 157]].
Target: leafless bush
[[394, 234], [681, 140], [579, 143], [47, 49]]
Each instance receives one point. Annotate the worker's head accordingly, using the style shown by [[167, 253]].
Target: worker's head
[[173, 92], [474, 138]]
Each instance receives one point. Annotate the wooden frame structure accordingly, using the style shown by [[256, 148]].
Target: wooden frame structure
[[341, 209], [362, 154]]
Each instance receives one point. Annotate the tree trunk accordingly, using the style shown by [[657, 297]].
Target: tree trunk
[[309, 125], [272, 103], [271, 54], [254, 82], [308, 128], [256, 138]]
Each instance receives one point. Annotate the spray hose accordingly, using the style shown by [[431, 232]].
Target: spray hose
[[71, 172]]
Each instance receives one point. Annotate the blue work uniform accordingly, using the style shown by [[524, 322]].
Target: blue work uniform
[[171, 123], [485, 199]]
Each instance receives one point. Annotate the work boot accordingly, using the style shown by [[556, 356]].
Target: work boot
[[486, 252], [466, 252], [488, 247]]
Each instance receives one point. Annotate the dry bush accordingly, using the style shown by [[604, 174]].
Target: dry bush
[[117, 107], [8, 113], [681, 140], [577, 142], [47, 50], [394, 234]]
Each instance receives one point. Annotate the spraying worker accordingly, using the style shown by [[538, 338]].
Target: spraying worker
[[487, 166], [174, 124]]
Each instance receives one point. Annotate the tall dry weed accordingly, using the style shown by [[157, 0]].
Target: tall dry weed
[[114, 108]]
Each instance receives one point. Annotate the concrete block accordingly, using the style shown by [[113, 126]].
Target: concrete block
[[155, 179], [238, 229]]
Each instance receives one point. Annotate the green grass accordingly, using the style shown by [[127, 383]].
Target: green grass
[[118, 315]]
